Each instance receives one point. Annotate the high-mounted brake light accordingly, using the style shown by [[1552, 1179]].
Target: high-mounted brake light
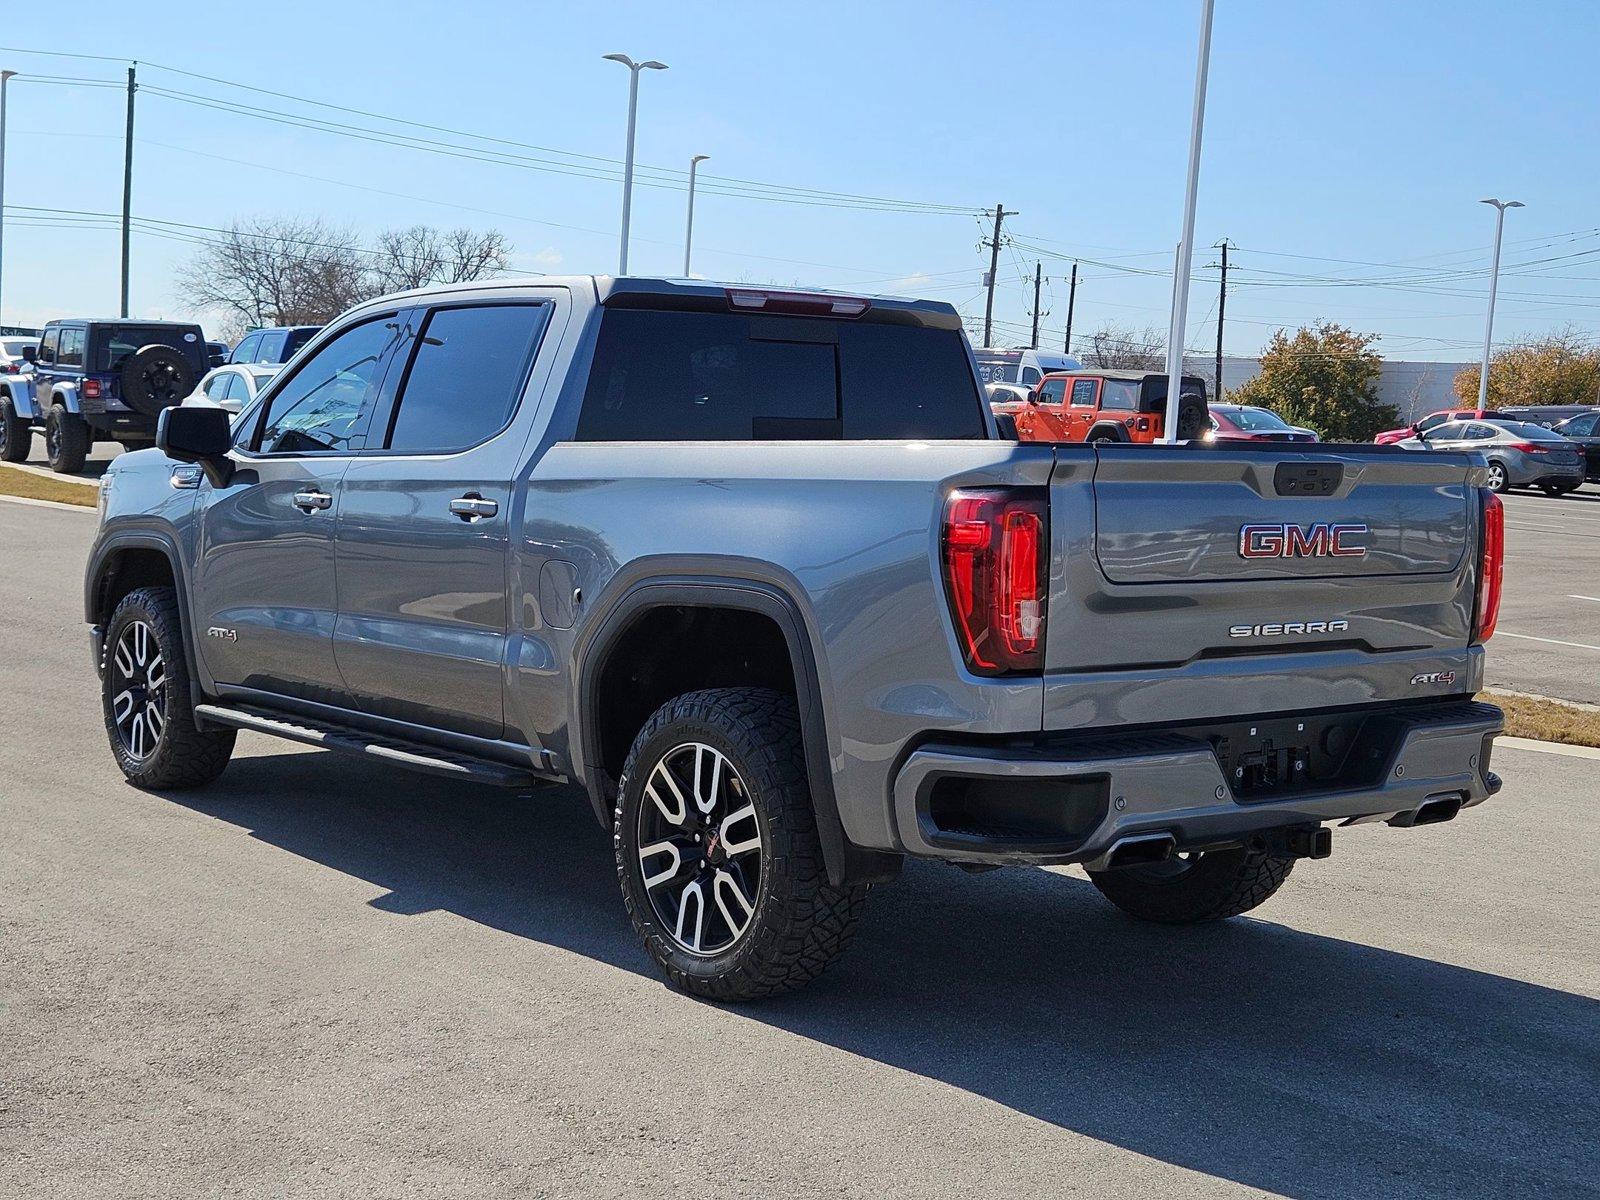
[[91, 389], [995, 555], [809, 304], [1491, 568]]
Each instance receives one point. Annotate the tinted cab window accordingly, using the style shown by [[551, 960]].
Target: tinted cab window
[[1053, 391], [245, 351], [322, 407], [707, 376], [467, 372], [71, 353]]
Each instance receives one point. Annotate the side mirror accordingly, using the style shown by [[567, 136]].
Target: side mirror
[[198, 435], [30, 353], [1033, 395]]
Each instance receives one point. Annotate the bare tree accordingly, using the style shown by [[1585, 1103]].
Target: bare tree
[[277, 271], [421, 255], [303, 271], [1115, 347]]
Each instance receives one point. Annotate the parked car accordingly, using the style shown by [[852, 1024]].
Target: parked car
[[1249, 423], [1005, 401], [98, 380], [1109, 406], [1519, 454], [1548, 415], [752, 567], [13, 357], [1584, 432], [1020, 366], [1422, 426], [216, 353], [233, 386], [276, 345]]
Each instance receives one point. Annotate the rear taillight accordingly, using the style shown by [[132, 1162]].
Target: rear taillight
[[996, 557], [1491, 567], [91, 389], [1525, 447]]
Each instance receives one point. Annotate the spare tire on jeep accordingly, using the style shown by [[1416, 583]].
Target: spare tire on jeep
[[1194, 417], [153, 378]]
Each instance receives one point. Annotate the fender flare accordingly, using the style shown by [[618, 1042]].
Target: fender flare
[[1117, 430], [94, 577], [846, 862], [22, 398], [67, 394]]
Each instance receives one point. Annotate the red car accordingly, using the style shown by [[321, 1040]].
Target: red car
[[1418, 428], [1246, 423]]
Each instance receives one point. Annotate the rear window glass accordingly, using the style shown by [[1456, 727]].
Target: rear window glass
[[689, 376], [1121, 394], [113, 343]]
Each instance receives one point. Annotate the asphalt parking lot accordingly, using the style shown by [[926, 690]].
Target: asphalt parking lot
[[321, 977], [1549, 638]]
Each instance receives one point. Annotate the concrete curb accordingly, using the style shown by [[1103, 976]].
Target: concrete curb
[[1517, 743], [57, 504]]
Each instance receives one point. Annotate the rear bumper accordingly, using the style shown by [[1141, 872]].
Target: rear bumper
[[1074, 800], [1533, 473]]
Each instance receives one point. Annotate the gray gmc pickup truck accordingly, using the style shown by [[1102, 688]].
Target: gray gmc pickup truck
[[753, 568]]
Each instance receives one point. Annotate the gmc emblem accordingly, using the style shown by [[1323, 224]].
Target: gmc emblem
[[1290, 541]]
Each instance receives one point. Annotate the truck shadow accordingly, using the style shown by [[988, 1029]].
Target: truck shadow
[[1296, 1063]]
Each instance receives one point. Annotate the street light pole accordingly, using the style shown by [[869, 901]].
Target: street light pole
[[627, 170], [1180, 273], [5, 78], [688, 229], [1500, 207]]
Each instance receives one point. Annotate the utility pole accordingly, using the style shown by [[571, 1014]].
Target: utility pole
[[1072, 299], [1222, 308], [5, 78], [1000, 214], [1037, 279], [127, 185]]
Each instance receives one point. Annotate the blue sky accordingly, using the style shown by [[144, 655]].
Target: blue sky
[[1347, 144]]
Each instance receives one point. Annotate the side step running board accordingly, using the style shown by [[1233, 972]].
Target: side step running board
[[415, 755]]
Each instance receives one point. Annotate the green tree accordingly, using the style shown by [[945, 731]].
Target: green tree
[[1559, 368], [1323, 377]]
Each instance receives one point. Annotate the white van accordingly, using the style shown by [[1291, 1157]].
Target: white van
[[1020, 366]]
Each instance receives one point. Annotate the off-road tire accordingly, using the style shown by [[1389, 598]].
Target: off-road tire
[[1005, 426], [1193, 417], [1208, 887], [801, 922], [153, 378], [16, 434], [66, 439], [185, 756]]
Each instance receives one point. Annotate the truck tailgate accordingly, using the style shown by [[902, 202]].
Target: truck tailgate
[[1206, 581]]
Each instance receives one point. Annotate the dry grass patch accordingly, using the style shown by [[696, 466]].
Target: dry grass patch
[[39, 487], [1549, 720]]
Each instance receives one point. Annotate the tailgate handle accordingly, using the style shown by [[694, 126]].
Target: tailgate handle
[[1308, 479]]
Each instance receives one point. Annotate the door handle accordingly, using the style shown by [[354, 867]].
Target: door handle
[[474, 508], [312, 500]]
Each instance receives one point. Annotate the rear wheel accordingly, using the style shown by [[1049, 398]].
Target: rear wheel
[[66, 440], [16, 435], [717, 848], [1189, 888], [144, 692], [1499, 481]]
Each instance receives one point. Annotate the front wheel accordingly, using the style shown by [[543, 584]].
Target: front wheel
[[16, 434], [717, 848], [1189, 888], [144, 692], [1499, 481]]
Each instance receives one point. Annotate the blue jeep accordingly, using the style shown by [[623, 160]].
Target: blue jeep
[[98, 380]]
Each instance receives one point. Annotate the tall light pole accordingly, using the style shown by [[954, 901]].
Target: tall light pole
[[627, 170], [1500, 207], [1185, 255], [5, 78], [688, 229]]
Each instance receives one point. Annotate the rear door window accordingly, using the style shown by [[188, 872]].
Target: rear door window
[[466, 375], [71, 348], [322, 407], [1083, 393], [705, 376], [271, 348], [1120, 394]]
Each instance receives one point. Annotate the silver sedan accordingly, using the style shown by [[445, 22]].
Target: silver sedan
[[1520, 454]]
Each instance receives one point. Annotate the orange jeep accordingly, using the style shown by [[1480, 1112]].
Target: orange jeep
[[1106, 406]]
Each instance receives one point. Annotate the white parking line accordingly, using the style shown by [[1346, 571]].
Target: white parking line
[[1592, 599], [1528, 637]]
